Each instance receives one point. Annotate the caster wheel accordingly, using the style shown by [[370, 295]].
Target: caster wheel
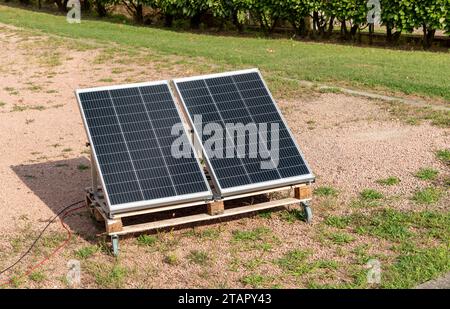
[[115, 245], [308, 212]]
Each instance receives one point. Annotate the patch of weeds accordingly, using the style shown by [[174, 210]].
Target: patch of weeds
[[325, 191], [171, 259], [86, 252], [370, 195], [326, 264], [330, 90], [361, 255], [265, 214], [210, 233], [35, 88], [106, 80], [341, 238], [293, 215], [198, 257], [295, 262], [56, 145], [61, 165], [260, 238], [252, 264], [252, 235], [443, 155], [17, 281], [416, 266], [67, 150], [338, 222], [51, 91], [21, 108], [82, 167], [52, 240], [390, 181], [387, 224], [427, 174], [412, 114], [255, 280], [107, 276], [28, 121], [146, 240], [2, 104], [37, 276], [430, 195]]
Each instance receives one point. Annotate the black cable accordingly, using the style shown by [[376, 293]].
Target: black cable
[[40, 235]]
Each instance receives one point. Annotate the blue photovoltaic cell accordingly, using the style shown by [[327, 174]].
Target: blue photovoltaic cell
[[130, 130], [241, 98]]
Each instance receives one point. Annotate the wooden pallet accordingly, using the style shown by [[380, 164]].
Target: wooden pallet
[[211, 210]]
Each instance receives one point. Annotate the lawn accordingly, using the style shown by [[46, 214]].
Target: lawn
[[409, 72]]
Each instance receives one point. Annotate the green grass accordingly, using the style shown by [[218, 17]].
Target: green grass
[[325, 191], [443, 155], [390, 181], [293, 215], [427, 174], [428, 195], [171, 259], [255, 280], [108, 276], [295, 262], [250, 236], [395, 225], [341, 238], [86, 252], [416, 266], [146, 240], [82, 167], [370, 195], [198, 257], [37, 276], [410, 72]]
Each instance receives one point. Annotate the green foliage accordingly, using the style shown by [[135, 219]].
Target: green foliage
[[428, 195], [443, 155], [370, 194], [325, 191], [390, 181], [427, 174]]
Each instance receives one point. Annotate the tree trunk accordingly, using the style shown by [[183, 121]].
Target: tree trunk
[[236, 22], [100, 8], [344, 30], [86, 5], [315, 24], [138, 14], [428, 36], [195, 21], [330, 27], [168, 20], [371, 30]]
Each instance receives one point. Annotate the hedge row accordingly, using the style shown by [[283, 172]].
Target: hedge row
[[316, 18]]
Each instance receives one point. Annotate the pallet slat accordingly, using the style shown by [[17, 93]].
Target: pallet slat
[[203, 217]]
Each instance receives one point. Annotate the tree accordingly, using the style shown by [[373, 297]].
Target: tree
[[430, 15], [297, 12]]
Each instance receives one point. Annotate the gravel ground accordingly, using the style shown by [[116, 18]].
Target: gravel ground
[[349, 142]]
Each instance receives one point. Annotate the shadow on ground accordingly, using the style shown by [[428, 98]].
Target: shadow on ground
[[61, 183]]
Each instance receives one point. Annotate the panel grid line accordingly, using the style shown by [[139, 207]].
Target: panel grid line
[[253, 120], [227, 133], [126, 145], [157, 142]]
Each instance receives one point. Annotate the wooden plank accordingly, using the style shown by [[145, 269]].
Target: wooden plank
[[155, 209], [203, 217], [114, 226], [215, 208], [303, 192]]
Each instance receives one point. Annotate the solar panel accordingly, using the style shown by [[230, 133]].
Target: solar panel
[[242, 97], [130, 131]]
